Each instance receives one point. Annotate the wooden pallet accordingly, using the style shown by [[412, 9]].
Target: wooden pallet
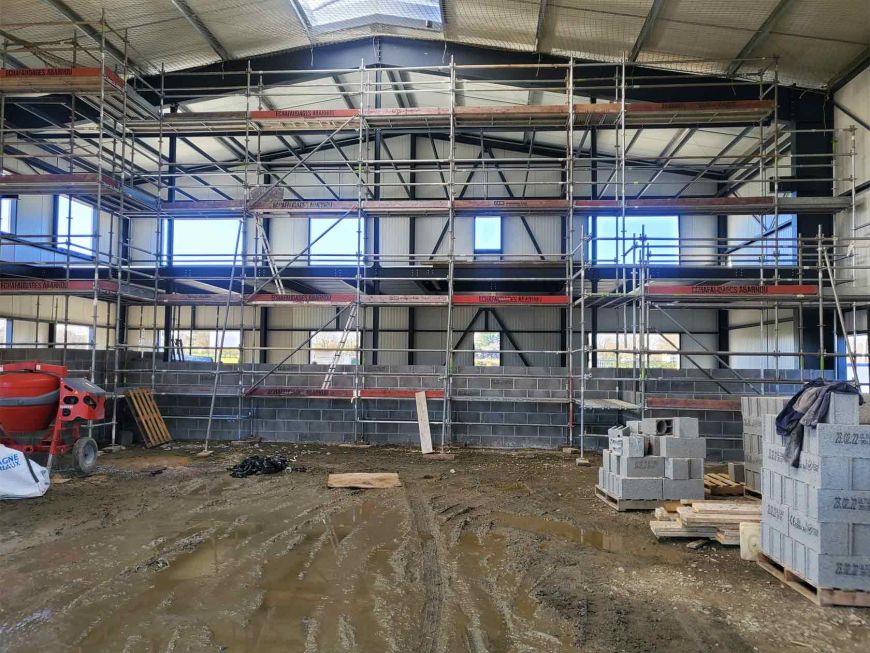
[[148, 417], [722, 486], [749, 492], [818, 595], [622, 505]]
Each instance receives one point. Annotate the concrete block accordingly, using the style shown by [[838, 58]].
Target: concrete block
[[653, 443], [830, 571], [736, 472], [843, 409], [618, 431], [838, 440], [633, 426], [826, 472], [774, 543], [677, 468], [768, 430], [753, 479], [634, 446], [614, 462], [616, 445], [674, 447], [643, 467], [696, 468], [829, 538], [684, 427], [605, 460], [774, 514], [602, 478], [683, 488], [773, 486], [639, 488], [656, 426]]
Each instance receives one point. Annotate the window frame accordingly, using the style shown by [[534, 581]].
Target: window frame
[[307, 15], [60, 240], [593, 253], [353, 351], [58, 342], [500, 248], [7, 341], [13, 211], [339, 259], [622, 340], [476, 350]]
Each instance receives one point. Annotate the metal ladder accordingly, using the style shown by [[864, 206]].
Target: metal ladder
[[351, 321], [267, 251]]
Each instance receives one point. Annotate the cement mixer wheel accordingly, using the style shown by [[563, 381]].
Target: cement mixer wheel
[[85, 454]]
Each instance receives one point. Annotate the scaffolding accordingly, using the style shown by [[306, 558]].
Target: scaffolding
[[118, 151]]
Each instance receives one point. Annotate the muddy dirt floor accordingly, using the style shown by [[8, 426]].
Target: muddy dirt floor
[[494, 551]]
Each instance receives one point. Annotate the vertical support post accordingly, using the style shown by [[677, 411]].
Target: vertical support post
[[446, 426]]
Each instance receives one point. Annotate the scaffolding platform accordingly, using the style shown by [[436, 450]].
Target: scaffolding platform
[[516, 116]]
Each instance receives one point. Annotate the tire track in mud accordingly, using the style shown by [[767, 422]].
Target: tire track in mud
[[433, 620]]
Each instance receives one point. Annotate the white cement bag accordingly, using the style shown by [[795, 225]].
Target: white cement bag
[[20, 477]]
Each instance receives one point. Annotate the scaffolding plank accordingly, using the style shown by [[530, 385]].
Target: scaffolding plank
[[339, 393], [676, 403]]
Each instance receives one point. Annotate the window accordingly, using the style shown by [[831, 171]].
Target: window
[[607, 345], [487, 349], [7, 211], [205, 242], [662, 234], [76, 336], [487, 235], [202, 345], [859, 345], [5, 332], [74, 225], [329, 15], [325, 345], [775, 242], [333, 241]]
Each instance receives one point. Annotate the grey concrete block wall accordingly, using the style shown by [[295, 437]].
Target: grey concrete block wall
[[498, 406]]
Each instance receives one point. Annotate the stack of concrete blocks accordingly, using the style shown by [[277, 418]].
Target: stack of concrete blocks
[[816, 517], [755, 409], [654, 459]]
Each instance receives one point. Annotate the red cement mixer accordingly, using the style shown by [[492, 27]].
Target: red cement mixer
[[32, 396]]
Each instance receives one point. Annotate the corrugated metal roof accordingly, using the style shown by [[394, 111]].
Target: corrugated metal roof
[[814, 39]]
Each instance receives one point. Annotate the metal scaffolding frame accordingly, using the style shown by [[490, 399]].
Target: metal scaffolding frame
[[118, 152]]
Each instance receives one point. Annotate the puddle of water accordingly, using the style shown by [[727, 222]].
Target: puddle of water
[[585, 537]]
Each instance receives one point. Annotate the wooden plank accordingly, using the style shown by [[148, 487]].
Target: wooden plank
[[363, 480], [423, 422], [676, 403]]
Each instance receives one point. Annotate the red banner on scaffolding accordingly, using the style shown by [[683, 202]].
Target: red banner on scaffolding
[[742, 290], [12, 286]]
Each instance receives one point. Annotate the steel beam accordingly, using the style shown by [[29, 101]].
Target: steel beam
[[646, 30], [81, 24], [200, 27], [760, 35]]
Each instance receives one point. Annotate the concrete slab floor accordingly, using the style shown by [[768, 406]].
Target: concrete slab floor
[[492, 551]]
